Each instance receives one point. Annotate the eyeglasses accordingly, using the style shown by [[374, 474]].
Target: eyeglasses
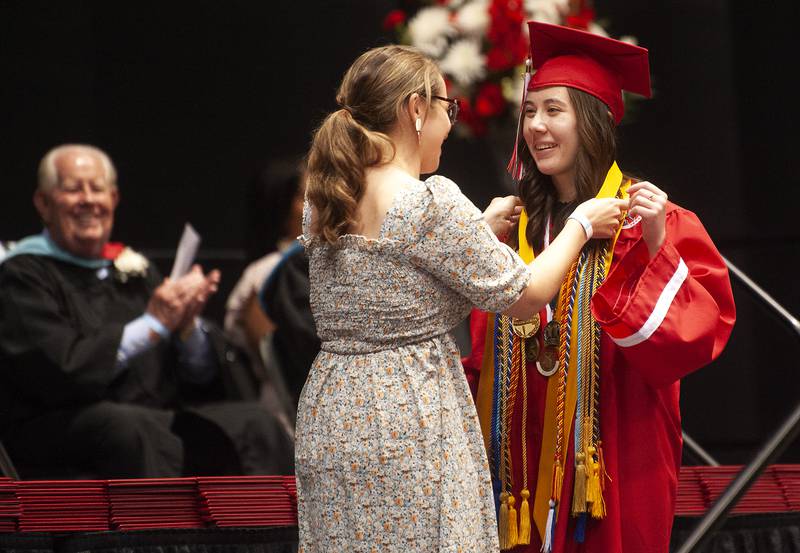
[[452, 108]]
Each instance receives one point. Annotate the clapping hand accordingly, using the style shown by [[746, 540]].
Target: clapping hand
[[177, 302]]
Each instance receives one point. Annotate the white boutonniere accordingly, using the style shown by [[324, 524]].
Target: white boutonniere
[[130, 263]]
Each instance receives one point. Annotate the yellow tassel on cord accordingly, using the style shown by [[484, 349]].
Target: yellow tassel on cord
[[558, 480], [579, 491], [598, 509], [524, 519], [602, 467], [599, 506], [594, 489], [502, 521], [592, 476], [513, 532]]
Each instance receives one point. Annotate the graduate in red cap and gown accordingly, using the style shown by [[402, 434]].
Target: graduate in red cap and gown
[[579, 405]]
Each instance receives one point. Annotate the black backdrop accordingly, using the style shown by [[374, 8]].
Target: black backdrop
[[189, 97]]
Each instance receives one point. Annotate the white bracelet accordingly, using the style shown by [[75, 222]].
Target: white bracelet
[[587, 226]]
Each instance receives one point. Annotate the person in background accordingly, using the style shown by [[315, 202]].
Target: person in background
[[294, 343], [105, 367], [275, 210]]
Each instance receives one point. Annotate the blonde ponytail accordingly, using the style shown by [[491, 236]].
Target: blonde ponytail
[[355, 137], [341, 151]]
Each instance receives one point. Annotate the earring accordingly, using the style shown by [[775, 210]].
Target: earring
[[418, 126]]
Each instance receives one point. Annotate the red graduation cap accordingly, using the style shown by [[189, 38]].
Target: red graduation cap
[[597, 65]]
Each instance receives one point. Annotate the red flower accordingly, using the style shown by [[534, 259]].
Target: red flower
[[509, 46], [580, 20], [470, 118], [500, 58], [112, 249], [393, 19], [489, 101]]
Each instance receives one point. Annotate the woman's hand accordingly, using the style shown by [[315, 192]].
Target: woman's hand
[[650, 203], [604, 214], [502, 214]]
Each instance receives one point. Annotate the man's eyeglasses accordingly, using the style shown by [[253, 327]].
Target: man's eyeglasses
[[452, 108]]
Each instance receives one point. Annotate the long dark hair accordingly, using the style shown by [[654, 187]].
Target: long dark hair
[[596, 152]]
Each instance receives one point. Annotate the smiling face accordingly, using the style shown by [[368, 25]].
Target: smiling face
[[550, 128], [79, 211], [435, 128]]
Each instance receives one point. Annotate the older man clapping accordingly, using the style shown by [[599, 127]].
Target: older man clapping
[[105, 366]]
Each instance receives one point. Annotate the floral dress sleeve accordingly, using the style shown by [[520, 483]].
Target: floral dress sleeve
[[452, 242]]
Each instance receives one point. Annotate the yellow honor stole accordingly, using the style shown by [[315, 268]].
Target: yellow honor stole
[[561, 399]]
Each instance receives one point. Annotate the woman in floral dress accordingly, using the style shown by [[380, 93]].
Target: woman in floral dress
[[389, 455]]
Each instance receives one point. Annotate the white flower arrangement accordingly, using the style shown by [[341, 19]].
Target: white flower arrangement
[[472, 18], [465, 62], [547, 11], [130, 263], [431, 29]]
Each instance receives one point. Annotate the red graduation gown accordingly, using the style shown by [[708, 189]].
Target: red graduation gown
[[661, 318]]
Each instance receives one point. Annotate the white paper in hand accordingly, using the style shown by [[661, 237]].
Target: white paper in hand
[[187, 250]]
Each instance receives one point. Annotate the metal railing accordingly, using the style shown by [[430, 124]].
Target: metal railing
[[771, 450], [698, 450], [6, 466]]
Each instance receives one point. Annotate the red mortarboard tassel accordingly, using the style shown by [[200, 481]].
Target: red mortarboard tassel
[[514, 164]]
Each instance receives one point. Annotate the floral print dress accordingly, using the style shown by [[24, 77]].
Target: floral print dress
[[389, 454]]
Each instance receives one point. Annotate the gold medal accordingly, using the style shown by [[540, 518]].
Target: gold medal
[[526, 329], [532, 349], [547, 364], [551, 334]]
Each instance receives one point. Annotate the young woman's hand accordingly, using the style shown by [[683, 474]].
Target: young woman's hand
[[650, 203], [604, 214], [502, 214]]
